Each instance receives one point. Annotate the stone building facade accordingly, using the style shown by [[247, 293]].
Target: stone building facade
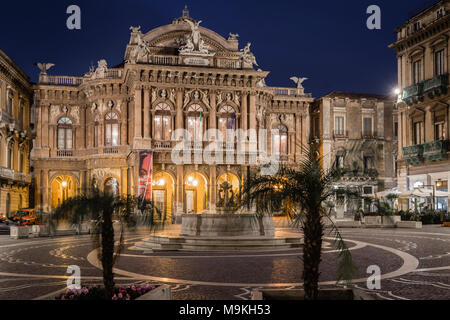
[[180, 76], [358, 133], [422, 49], [15, 136]]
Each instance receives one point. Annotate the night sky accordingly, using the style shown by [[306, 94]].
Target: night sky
[[326, 41]]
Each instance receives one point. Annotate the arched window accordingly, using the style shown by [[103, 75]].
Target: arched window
[[280, 140], [195, 122], [163, 122], [65, 141], [111, 130], [227, 121]]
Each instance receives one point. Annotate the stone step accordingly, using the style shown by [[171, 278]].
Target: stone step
[[231, 242], [234, 247]]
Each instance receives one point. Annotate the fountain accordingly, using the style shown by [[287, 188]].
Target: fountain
[[228, 228]]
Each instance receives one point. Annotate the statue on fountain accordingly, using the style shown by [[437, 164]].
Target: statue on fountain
[[227, 199]]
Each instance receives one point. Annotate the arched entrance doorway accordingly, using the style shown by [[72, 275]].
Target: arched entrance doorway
[[111, 186], [163, 192], [63, 188], [195, 193]]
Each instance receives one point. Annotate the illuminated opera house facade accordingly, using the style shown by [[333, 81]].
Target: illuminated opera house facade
[[91, 129]]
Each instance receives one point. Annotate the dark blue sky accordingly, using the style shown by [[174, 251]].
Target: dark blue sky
[[326, 41]]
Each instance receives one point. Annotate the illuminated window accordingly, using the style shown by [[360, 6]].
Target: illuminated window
[[65, 141], [280, 140], [195, 122], [227, 121], [163, 122], [111, 130]]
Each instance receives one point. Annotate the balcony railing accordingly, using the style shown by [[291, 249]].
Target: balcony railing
[[413, 154], [162, 145], [111, 150], [433, 87], [436, 86], [436, 150], [369, 135], [64, 153], [413, 94], [15, 176]]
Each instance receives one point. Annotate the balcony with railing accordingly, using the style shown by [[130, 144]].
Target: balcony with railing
[[432, 88], [369, 135], [14, 176], [436, 150], [436, 86], [291, 92], [64, 153], [159, 145], [413, 154], [76, 81]]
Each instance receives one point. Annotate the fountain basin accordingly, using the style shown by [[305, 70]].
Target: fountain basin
[[227, 225]]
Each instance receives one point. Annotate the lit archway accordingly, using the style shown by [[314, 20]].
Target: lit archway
[[63, 187], [163, 188], [195, 193]]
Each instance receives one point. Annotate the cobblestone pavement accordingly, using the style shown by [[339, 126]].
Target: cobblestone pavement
[[415, 264]]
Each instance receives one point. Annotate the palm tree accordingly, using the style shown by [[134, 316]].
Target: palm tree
[[307, 188], [102, 209]]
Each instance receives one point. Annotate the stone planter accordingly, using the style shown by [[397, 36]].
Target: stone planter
[[40, 231], [324, 295], [17, 232], [390, 220], [409, 224], [163, 292], [372, 220], [348, 224]]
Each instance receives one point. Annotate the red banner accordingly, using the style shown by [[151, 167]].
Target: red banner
[[145, 174]]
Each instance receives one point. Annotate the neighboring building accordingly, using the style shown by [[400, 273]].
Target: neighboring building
[[180, 76], [15, 136], [358, 134], [422, 49]]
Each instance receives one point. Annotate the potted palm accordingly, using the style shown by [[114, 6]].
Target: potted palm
[[307, 188], [102, 209]]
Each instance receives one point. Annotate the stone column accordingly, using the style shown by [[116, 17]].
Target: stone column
[[212, 188], [147, 112], [179, 191], [212, 112], [401, 136], [138, 113], [38, 126], [298, 136], [244, 111], [123, 180], [179, 117], [45, 141], [45, 191], [252, 110], [429, 125]]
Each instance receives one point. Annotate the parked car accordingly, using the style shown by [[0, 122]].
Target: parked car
[[25, 217]]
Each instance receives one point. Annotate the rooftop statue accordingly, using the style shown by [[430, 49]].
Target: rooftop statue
[[195, 44], [44, 67], [248, 57], [299, 82]]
